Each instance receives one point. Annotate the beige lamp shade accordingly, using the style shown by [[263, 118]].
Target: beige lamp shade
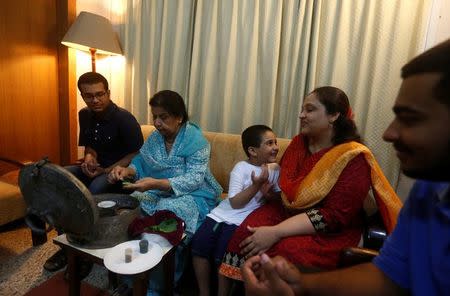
[[92, 32]]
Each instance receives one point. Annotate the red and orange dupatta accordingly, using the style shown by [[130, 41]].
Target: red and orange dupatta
[[304, 192]]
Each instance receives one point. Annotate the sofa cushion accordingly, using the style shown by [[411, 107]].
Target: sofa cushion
[[226, 151], [11, 177], [12, 205], [147, 130]]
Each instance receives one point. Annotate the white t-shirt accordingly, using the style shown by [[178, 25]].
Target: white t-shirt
[[240, 179]]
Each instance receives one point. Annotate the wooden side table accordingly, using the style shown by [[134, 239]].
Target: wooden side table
[[140, 280]]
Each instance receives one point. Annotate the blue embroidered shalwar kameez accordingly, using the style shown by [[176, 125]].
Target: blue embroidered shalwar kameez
[[194, 190]]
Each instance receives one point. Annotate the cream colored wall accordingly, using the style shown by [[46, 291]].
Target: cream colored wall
[[439, 25]]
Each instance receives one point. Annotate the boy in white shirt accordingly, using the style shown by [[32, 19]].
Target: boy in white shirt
[[252, 182]]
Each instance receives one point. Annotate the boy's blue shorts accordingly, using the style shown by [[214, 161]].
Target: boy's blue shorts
[[211, 239]]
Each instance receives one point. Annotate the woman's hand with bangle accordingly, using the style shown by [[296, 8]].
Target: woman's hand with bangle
[[261, 239], [142, 185], [149, 183], [119, 173]]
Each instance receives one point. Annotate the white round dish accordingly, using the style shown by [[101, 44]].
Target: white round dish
[[114, 259], [106, 204]]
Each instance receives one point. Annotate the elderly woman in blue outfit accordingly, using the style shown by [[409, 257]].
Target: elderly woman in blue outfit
[[171, 169]]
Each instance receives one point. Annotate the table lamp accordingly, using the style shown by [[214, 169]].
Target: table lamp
[[93, 33]]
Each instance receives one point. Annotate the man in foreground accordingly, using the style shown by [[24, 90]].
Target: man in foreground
[[415, 259]]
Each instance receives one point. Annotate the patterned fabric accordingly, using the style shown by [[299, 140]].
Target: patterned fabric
[[341, 211], [305, 191], [231, 265], [194, 190], [317, 220]]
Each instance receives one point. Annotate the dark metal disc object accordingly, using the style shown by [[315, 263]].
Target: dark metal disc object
[[89, 221], [112, 226], [57, 196]]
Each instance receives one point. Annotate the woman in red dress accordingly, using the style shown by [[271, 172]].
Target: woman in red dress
[[325, 177]]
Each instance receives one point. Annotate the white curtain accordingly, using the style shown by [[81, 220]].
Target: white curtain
[[157, 42], [244, 62], [232, 61], [362, 46], [247, 63]]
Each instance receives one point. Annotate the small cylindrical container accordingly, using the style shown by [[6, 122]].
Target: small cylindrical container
[[143, 246], [128, 255]]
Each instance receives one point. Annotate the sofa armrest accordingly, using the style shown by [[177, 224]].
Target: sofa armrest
[[375, 238], [374, 233], [353, 256], [9, 170], [14, 162]]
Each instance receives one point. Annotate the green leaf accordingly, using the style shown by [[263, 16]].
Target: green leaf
[[168, 225]]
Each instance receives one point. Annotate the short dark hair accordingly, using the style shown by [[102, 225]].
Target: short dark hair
[[92, 78], [172, 102], [252, 136], [434, 60], [336, 101]]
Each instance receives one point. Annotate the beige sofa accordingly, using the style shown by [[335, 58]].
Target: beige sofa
[[226, 151], [12, 205]]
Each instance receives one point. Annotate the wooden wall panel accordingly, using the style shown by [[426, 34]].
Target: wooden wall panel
[[30, 125], [66, 15]]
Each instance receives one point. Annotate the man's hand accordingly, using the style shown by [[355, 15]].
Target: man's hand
[[119, 173], [90, 167], [90, 161], [265, 276], [260, 241], [92, 172]]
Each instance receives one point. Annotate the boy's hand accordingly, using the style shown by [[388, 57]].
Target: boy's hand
[[262, 178], [266, 188], [270, 194]]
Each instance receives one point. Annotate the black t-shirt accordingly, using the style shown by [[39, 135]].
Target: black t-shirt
[[113, 134]]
